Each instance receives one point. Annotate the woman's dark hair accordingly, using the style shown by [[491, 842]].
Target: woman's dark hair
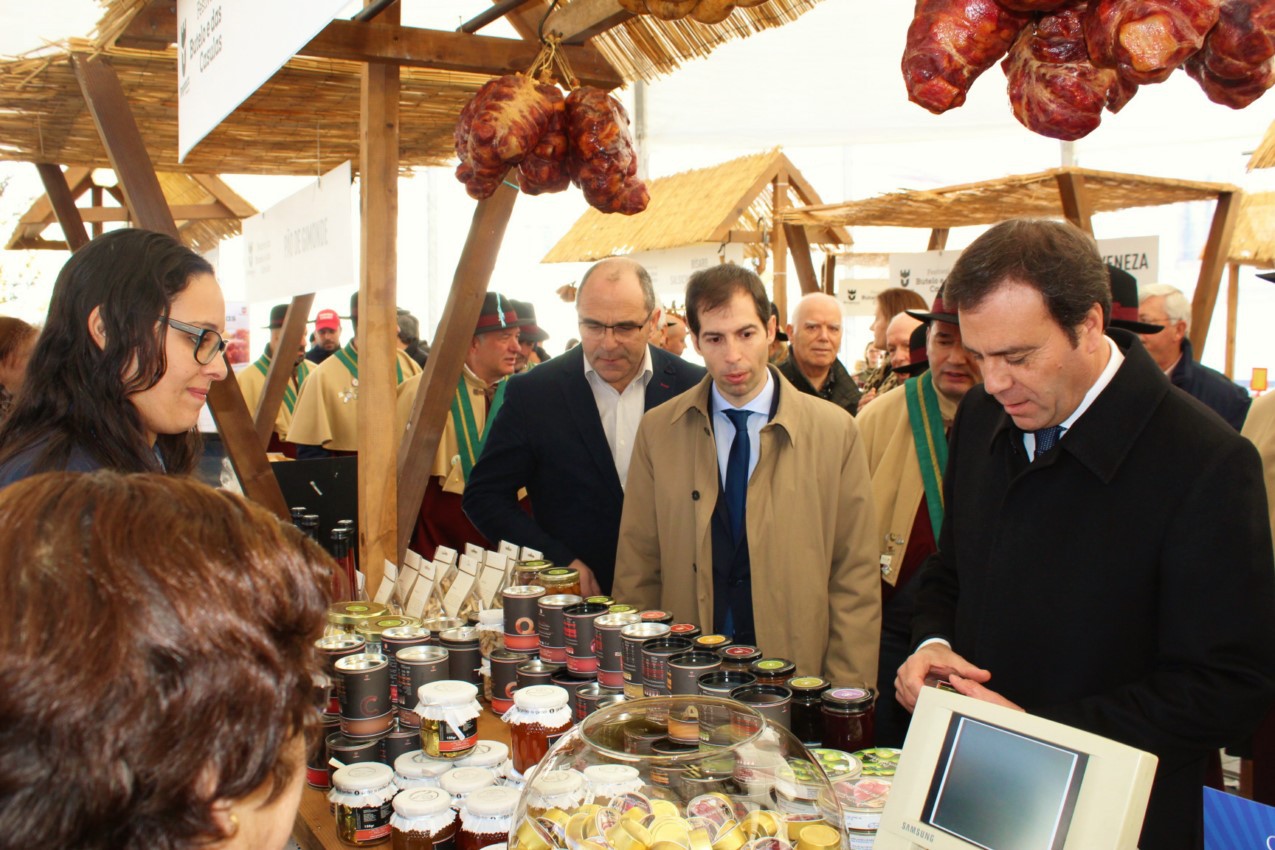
[[77, 393], [712, 287], [156, 657], [891, 302], [1057, 259]]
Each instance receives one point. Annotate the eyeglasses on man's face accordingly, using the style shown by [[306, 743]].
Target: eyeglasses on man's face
[[623, 331], [208, 343]]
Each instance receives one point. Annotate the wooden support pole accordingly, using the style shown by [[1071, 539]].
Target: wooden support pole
[[1076, 205], [938, 238], [1232, 314], [779, 248], [447, 355], [282, 366], [1216, 250], [799, 245], [378, 321], [95, 199], [59, 192], [127, 153], [830, 274]]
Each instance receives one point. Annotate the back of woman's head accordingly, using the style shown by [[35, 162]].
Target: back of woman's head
[[156, 658], [891, 302], [78, 389]]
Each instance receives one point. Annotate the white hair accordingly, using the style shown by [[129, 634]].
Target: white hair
[[1176, 307]]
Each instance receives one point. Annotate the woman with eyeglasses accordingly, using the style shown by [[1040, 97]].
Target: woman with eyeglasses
[[129, 350]]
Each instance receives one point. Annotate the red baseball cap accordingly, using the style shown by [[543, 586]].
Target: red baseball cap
[[327, 320]]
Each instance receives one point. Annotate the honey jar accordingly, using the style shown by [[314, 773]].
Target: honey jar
[[540, 717], [423, 819], [486, 817]]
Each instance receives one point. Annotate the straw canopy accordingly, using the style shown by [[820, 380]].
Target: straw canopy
[[1017, 196], [1253, 243], [1264, 156], [730, 202]]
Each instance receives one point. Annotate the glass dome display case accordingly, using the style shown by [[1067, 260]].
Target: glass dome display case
[[691, 772]]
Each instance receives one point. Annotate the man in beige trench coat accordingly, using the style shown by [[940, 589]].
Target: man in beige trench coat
[[772, 539]]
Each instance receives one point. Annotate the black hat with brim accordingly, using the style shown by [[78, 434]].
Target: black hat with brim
[[1124, 303]]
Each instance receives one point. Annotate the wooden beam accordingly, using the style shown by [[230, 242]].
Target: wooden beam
[[214, 211], [282, 367], [490, 15], [830, 274], [227, 196], [727, 225], [809, 197], [1216, 250], [41, 210], [1232, 314], [68, 214], [447, 355], [779, 247], [1076, 205], [378, 317], [580, 20], [938, 238], [154, 27], [449, 51], [799, 247], [127, 154]]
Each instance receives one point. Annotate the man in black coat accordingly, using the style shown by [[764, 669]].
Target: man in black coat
[[1105, 559], [566, 429]]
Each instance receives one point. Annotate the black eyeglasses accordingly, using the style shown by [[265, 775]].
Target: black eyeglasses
[[208, 343], [623, 331]]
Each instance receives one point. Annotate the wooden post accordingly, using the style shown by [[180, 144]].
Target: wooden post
[[1232, 314], [127, 153], [830, 274], [799, 245], [281, 367], [59, 192], [1216, 250], [779, 247], [938, 238], [378, 321], [447, 356], [1075, 200]]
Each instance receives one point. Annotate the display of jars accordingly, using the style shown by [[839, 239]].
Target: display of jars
[[417, 770], [448, 712], [849, 717], [540, 717], [807, 714], [460, 782], [423, 819], [486, 817], [345, 617], [360, 797]]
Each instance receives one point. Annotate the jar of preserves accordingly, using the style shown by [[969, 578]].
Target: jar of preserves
[[486, 818], [807, 714], [849, 718], [489, 755], [460, 782], [345, 617], [423, 819], [739, 658], [372, 630], [360, 797], [449, 718], [555, 789], [773, 671], [526, 572], [417, 770], [602, 782], [540, 717], [557, 580]]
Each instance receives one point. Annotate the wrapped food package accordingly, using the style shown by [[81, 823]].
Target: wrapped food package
[[1145, 40], [498, 128], [601, 160], [1054, 89], [951, 42], [1236, 65]]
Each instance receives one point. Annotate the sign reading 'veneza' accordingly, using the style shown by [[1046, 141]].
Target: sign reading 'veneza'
[[226, 49]]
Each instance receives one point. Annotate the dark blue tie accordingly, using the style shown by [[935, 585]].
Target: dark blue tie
[[1046, 439], [737, 471]]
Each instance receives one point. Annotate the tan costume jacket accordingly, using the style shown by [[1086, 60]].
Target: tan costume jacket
[[895, 471], [1259, 427], [252, 383], [446, 466], [811, 529], [327, 406]]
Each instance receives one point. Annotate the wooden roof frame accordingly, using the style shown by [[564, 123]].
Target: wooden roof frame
[[1074, 197]]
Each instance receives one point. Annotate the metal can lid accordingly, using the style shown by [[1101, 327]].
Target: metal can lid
[[556, 782], [339, 643], [848, 698], [774, 665], [352, 613], [485, 754], [712, 641], [422, 802], [417, 765], [363, 776], [741, 651], [405, 633], [655, 614], [808, 683], [447, 692], [618, 618], [540, 697], [466, 780], [538, 564], [362, 661], [644, 630], [560, 600], [524, 590], [464, 634], [420, 654], [683, 628], [560, 574], [493, 802], [622, 608], [601, 600]]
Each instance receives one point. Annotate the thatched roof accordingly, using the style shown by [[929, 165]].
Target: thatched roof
[[1264, 156], [1017, 196], [305, 119], [1253, 242], [182, 191], [733, 201]]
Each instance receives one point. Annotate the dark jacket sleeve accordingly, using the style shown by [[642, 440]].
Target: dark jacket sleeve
[[508, 464]]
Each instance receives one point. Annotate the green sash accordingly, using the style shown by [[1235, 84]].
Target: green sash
[[262, 365], [350, 358], [467, 436], [931, 442]]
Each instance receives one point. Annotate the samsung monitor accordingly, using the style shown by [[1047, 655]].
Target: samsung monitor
[[977, 775]]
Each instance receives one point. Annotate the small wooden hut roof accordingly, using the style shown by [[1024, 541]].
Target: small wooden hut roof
[[730, 202], [1264, 156], [1253, 242], [305, 119], [216, 210], [1017, 196]]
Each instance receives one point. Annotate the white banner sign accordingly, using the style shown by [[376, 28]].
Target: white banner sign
[[858, 296], [304, 243], [228, 48], [672, 267]]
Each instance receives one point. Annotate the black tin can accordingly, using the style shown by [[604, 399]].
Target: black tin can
[[504, 677], [553, 637], [317, 773], [537, 672], [578, 627], [611, 646], [399, 741], [464, 658], [634, 636], [347, 750], [332, 648], [571, 683], [684, 670], [655, 656], [363, 687], [418, 666], [590, 697], [773, 702], [396, 638]]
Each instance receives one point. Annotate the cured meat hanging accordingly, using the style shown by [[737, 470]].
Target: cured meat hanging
[[601, 159], [951, 42], [1235, 66], [1145, 40]]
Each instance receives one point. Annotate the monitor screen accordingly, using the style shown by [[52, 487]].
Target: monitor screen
[[1003, 790]]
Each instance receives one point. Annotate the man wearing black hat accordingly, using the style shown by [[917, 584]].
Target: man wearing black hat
[[252, 381], [1105, 559], [491, 358], [325, 421], [812, 365], [905, 435], [530, 336]]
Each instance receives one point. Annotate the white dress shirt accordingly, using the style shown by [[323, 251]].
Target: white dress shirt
[[620, 412], [1113, 363], [724, 429]]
